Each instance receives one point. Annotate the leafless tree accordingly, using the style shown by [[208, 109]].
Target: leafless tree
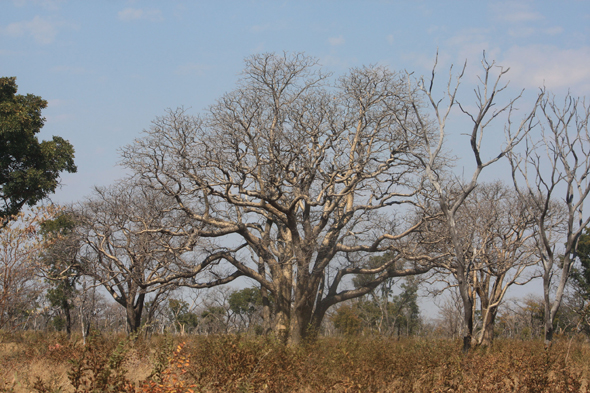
[[122, 251], [552, 174], [20, 245], [305, 177], [449, 193], [500, 244], [497, 230]]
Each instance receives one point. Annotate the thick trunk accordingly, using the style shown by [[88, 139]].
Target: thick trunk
[[548, 317], [66, 309], [301, 326], [548, 333], [487, 334], [282, 318], [468, 303], [266, 312], [134, 312], [468, 326]]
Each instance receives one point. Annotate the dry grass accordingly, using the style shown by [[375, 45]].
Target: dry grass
[[33, 362]]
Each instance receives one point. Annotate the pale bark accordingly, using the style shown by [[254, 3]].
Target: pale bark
[[551, 174], [449, 194], [307, 177]]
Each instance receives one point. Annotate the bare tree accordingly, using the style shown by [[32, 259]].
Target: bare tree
[[306, 179], [497, 231], [501, 246], [552, 175], [20, 245], [122, 251], [447, 192]]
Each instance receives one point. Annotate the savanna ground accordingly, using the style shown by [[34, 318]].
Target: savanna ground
[[36, 362]]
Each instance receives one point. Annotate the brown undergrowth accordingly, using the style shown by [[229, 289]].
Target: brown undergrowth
[[32, 362]]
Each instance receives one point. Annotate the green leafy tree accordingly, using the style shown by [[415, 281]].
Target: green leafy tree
[[181, 315], [29, 169], [346, 320], [214, 320], [580, 281], [383, 311], [247, 304], [581, 274], [59, 264]]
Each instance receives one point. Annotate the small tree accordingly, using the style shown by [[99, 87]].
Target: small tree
[[182, 317], [124, 251], [58, 263], [247, 304], [20, 245]]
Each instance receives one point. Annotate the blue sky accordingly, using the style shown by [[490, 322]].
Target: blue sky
[[108, 68]]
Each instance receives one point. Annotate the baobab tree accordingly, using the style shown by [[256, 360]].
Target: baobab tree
[[306, 177]]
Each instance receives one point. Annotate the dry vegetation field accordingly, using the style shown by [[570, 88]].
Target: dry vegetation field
[[34, 362]]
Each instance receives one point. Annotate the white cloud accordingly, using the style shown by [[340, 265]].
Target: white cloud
[[42, 30], [336, 40], [546, 65], [129, 14], [390, 39]]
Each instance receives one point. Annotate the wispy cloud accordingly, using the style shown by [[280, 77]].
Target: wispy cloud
[[71, 70], [390, 39], [191, 69], [130, 14], [47, 4], [555, 68], [469, 45], [554, 30], [260, 28], [334, 41], [41, 30], [516, 12]]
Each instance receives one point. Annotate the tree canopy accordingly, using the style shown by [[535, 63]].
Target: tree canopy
[[29, 169]]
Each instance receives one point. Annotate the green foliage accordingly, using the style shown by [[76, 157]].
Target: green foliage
[[383, 311], [60, 265], [346, 320], [581, 275], [29, 169], [183, 319], [245, 301]]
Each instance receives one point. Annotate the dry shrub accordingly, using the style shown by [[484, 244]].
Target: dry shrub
[[261, 364]]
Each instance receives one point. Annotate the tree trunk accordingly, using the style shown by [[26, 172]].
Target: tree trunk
[[548, 317], [487, 334], [282, 320], [467, 311], [134, 314], [66, 309]]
